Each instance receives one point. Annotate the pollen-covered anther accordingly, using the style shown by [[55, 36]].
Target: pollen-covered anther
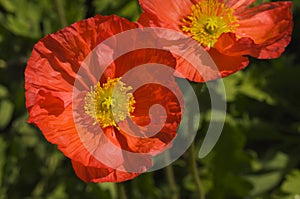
[[110, 103], [208, 20]]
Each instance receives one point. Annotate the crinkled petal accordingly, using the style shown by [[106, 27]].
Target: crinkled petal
[[53, 106], [214, 65], [269, 25], [229, 44], [108, 144], [225, 65], [139, 135], [50, 75], [228, 64], [239, 5], [56, 58], [139, 139], [167, 14], [152, 129], [133, 59], [109, 147], [92, 174]]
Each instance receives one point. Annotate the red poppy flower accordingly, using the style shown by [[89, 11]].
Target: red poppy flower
[[229, 30], [100, 122]]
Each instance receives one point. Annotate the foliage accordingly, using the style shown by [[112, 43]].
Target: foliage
[[256, 157]]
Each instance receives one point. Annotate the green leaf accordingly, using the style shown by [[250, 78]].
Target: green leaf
[[254, 92], [3, 91], [145, 187], [243, 83], [8, 5], [58, 192], [101, 5], [2, 158], [25, 23], [270, 173], [130, 11], [264, 182], [110, 187], [6, 112], [2, 62], [280, 161], [28, 133], [292, 183]]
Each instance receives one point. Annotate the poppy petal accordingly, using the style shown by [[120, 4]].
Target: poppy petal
[[151, 132], [264, 32], [269, 25], [239, 5], [167, 14], [58, 111], [214, 66], [228, 64], [228, 44], [56, 58], [139, 57], [50, 75], [92, 174]]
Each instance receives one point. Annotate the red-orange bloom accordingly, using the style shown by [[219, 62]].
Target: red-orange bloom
[[73, 106], [229, 30]]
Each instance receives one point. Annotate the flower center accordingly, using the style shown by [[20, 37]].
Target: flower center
[[208, 20], [110, 103]]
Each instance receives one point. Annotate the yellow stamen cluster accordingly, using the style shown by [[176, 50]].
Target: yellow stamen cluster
[[208, 20], [110, 103]]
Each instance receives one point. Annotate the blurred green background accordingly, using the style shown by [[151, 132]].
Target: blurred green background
[[257, 156]]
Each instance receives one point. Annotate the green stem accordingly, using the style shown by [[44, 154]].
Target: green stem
[[195, 173], [121, 191], [172, 182], [61, 13]]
